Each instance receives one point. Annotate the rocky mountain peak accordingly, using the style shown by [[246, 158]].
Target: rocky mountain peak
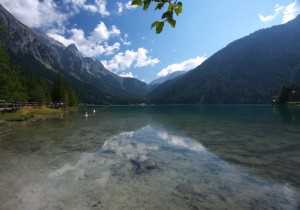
[[40, 51], [72, 48]]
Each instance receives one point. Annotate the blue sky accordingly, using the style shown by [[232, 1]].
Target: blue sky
[[119, 35]]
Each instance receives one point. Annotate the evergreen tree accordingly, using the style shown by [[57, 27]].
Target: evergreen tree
[[11, 88], [288, 94], [284, 95], [71, 97], [37, 90], [58, 90]]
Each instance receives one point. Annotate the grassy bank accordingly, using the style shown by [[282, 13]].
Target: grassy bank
[[31, 112]]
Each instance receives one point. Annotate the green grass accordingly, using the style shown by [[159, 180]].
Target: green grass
[[30, 112], [72, 109]]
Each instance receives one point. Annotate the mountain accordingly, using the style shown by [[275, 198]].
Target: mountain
[[249, 70], [38, 54], [155, 83]]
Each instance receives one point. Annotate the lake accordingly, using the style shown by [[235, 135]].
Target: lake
[[154, 157]]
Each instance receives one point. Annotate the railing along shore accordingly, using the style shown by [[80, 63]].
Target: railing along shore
[[8, 106]]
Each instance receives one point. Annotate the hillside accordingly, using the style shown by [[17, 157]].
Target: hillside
[[249, 70], [155, 83], [38, 55]]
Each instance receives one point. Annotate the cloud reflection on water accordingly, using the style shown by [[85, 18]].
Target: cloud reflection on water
[[196, 177], [179, 141], [127, 145]]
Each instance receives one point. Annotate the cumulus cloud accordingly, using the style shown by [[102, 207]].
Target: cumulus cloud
[[129, 58], [94, 45], [98, 6], [124, 6], [35, 13], [101, 32], [129, 74], [52, 13], [101, 4], [183, 66], [287, 12]]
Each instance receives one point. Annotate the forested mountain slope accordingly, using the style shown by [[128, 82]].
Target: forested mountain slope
[[249, 70], [42, 56]]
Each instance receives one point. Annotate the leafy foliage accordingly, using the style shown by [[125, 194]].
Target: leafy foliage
[[174, 6]]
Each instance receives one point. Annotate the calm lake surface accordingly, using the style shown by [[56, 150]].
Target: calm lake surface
[[167, 157]]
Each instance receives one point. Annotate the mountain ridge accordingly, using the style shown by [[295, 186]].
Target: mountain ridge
[[248, 70], [32, 48]]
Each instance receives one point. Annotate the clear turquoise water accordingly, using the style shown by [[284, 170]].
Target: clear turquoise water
[[203, 157]]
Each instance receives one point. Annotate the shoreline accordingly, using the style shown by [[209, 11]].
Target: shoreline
[[34, 113]]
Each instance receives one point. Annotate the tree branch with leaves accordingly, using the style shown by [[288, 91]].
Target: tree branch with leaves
[[174, 6]]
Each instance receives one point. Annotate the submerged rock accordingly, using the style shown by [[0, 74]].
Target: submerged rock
[[140, 166]]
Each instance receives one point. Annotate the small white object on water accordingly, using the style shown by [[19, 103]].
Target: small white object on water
[[94, 111], [86, 115]]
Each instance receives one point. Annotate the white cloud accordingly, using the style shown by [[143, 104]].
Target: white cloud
[[125, 41], [122, 6], [90, 7], [129, 74], [61, 39], [143, 60], [183, 66], [122, 61], [94, 45], [291, 11], [76, 2], [52, 13], [111, 49], [266, 18], [101, 4], [288, 12], [35, 13], [277, 10], [102, 33]]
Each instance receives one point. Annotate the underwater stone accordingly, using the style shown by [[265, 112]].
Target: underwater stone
[[140, 166]]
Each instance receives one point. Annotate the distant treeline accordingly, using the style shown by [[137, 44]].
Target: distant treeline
[[288, 95], [16, 86]]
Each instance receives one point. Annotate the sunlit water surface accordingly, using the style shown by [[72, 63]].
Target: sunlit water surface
[[180, 157]]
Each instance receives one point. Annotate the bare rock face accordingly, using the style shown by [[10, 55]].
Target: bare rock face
[[19, 39], [23, 41]]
